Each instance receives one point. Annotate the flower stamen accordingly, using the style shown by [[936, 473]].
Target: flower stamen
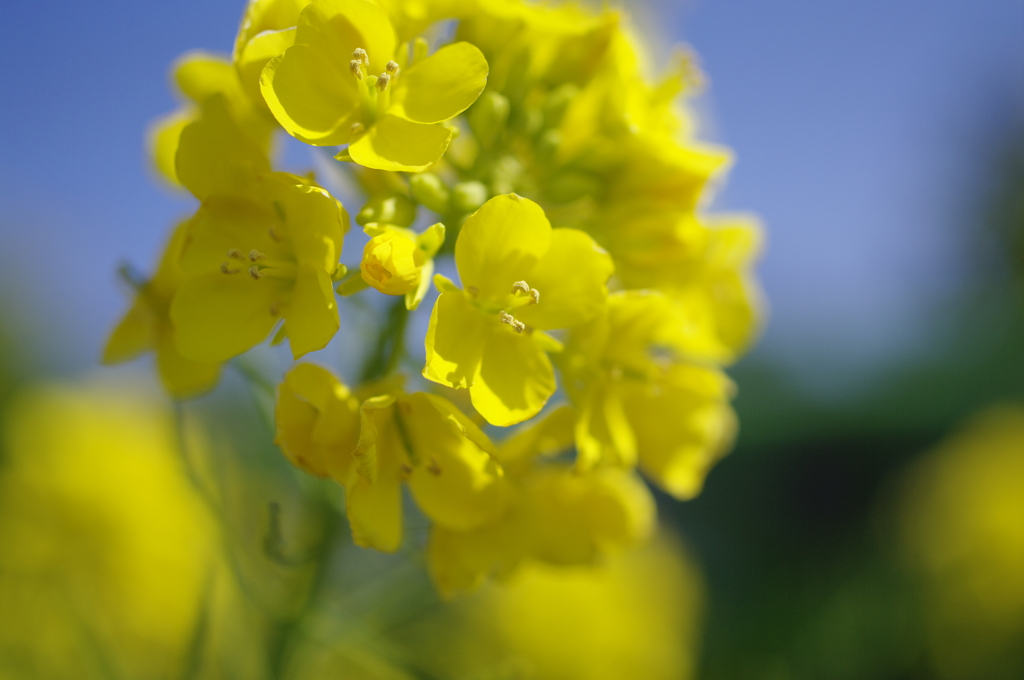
[[255, 255], [354, 67], [255, 273], [235, 254], [509, 320], [225, 269]]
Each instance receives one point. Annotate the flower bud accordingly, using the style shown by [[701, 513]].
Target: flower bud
[[488, 117], [468, 196], [428, 189], [389, 263], [393, 209]]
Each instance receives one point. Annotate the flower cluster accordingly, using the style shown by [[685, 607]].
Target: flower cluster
[[566, 190]]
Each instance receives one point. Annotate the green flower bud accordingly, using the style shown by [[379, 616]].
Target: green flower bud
[[488, 117], [430, 190], [388, 208], [468, 196]]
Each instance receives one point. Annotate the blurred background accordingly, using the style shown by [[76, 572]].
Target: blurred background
[[870, 522]]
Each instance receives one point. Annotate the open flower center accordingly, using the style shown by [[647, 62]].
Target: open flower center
[[257, 265]]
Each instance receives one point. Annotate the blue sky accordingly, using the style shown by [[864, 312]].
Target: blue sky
[[861, 132]]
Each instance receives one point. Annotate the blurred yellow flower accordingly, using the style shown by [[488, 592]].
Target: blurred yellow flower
[[108, 555], [373, 440], [521, 278], [963, 531], [147, 327], [324, 91]]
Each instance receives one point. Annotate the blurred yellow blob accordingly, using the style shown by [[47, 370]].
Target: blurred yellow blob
[[636, 617], [107, 553], [963, 531]]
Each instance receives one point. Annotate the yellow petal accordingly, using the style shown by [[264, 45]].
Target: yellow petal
[[554, 434], [316, 222], [455, 481], [459, 560], [200, 75], [181, 377], [310, 98], [214, 154], [454, 341], [400, 145], [500, 244], [311, 317], [441, 86], [254, 56], [373, 502], [163, 136], [338, 27], [570, 278], [317, 421], [515, 378], [134, 334], [217, 316]]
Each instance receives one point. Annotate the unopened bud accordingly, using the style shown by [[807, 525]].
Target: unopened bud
[[488, 116], [395, 209], [389, 263], [429, 190], [467, 197]]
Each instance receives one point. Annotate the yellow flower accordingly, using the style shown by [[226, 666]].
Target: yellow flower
[[637, 616], [521, 277], [557, 515], [962, 522], [344, 82], [266, 31], [147, 327], [108, 555], [373, 440], [262, 247], [639, 403], [397, 261], [705, 265], [199, 76]]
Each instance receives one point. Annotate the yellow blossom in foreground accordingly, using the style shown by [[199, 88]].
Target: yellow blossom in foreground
[[962, 524], [261, 248], [556, 514], [397, 261], [521, 278], [636, 615], [345, 81], [374, 439], [108, 555], [266, 31], [638, 403], [147, 327]]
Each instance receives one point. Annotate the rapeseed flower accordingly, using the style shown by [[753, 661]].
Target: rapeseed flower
[[489, 337], [147, 327], [397, 261], [324, 91], [262, 247], [377, 438]]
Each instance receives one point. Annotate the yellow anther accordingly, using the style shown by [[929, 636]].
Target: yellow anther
[[535, 296], [382, 82], [255, 272], [360, 55], [433, 467], [473, 291], [356, 129], [255, 255], [520, 287], [509, 320], [392, 68], [354, 67], [404, 472], [225, 269], [275, 309], [235, 254]]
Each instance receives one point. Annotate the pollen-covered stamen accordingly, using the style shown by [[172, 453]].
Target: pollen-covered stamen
[[535, 296], [524, 294], [392, 68], [520, 287], [356, 69], [382, 82], [256, 256], [235, 254], [255, 273], [509, 320], [359, 55], [226, 269]]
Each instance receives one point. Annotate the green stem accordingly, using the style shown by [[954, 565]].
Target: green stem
[[390, 343]]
